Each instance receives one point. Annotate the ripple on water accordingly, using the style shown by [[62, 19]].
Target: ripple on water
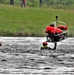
[[23, 55]]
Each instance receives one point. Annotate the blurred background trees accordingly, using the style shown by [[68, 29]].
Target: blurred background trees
[[43, 3]]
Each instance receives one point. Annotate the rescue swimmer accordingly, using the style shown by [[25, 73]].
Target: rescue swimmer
[[45, 46]]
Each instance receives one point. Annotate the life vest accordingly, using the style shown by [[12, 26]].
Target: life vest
[[63, 27], [44, 47], [53, 30]]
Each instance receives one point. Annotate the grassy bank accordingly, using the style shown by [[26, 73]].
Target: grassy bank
[[17, 21]]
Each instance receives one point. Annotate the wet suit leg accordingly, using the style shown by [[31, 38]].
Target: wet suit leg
[[55, 46]]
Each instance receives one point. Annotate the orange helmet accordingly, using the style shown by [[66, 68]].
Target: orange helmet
[[45, 44]]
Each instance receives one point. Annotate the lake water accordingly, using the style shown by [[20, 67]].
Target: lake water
[[22, 55]]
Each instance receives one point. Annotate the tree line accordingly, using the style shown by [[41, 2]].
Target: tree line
[[23, 2], [35, 3]]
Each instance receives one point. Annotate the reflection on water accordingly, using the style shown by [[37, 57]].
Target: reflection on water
[[22, 55]]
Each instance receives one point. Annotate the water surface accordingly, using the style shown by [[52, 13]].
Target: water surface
[[22, 55]]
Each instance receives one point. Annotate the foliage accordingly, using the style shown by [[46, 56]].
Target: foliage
[[48, 3]]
